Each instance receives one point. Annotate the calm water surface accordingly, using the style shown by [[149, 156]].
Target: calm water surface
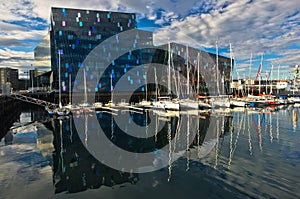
[[248, 153]]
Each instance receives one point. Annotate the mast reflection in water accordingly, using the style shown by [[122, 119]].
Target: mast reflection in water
[[75, 169]]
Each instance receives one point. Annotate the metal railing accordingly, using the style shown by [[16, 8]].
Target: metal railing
[[33, 100]]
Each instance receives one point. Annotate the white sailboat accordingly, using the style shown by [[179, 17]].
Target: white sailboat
[[61, 110], [188, 103], [234, 102], [167, 103], [145, 103], [219, 101]]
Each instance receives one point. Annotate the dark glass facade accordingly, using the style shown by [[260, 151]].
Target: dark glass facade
[[75, 33]]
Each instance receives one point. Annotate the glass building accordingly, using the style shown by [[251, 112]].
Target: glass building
[[75, 33]]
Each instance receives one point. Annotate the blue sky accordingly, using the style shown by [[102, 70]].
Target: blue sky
[[268, 27]]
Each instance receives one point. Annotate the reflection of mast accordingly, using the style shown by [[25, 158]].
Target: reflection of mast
[[232, 149], [271, 129], [85, 128], [277, 127], [295, 118], [156, 128], [112, 127], [170, 151], [156, 84], [259, 133], [249, 135], [61, 145], [198, 141], [217, 144], [71, 129], [188, 144]]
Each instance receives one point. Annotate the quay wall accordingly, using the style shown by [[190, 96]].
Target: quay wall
[[10, 110]]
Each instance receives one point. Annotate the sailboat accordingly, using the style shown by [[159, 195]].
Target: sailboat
[[61, 110], [234, 102], [70, 106], [219, 101], [166, 102], [145, 103], [188, 103], [84, 104]]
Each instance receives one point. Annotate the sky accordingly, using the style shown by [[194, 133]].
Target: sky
[[269, 30]]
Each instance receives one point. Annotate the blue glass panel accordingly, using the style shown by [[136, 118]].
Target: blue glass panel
[[60, 33], [128, 78], [143, 88], [66, 75], [125, 70], [77, 42], [96, 89], [67, 65], [73, 46], [108, 16], [80, 24], [70, 70]]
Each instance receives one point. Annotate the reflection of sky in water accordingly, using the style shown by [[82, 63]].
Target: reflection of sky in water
[[257, 156]]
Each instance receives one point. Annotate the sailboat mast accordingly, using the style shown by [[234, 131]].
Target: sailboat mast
[[70, 88], [188, 72], [250, 68], [156, 84], [146, 90], [111, 89], [271, 77], [259, 79], [217, 67], [84, 80], [59, 80], [231, 67], [278, 81], [198, 73], [169, 68]]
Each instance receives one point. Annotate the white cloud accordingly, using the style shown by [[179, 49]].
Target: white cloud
[[269, 26], [262, 26]]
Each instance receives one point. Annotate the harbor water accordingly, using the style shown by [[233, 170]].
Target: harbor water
[[224, 153]]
